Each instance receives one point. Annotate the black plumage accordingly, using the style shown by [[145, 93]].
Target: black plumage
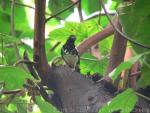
[[70, 54]]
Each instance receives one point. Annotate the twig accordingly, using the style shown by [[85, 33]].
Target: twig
[[63, 10], [2, 50], [24, 61], [12, 45], [99, 14], [95, 60], [53, 48], [12, 91], [135, 74], [143, 96], [30, 66], [80, 11], [12, 19], [12, 26], [7, 99], [117, 30], [31, 7], [24, 5]]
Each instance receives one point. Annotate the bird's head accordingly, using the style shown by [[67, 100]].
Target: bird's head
[[72, 38]]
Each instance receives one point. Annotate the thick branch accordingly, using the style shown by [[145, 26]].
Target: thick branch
[[39, 40], [118, 51], [89, 42]]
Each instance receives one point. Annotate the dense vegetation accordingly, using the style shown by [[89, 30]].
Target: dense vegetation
[[113, 43]]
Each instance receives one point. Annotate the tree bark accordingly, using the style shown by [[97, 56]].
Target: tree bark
[[117, 52], [41, 66]]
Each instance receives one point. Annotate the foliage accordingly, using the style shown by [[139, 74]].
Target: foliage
[[130, 14], [9, 74], [90, 64], [45, 107], [80, 30], [123, 102], [14, 77], [57, 5], [125, 65], [90, 6]]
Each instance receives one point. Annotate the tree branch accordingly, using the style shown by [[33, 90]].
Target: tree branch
[[117, 52], [80, 11], [41, 66], [89, 42]]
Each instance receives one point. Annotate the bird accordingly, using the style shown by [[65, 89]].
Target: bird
[[70, 54]]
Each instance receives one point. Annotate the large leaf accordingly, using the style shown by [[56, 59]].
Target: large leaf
[[13, 77], [90, 6], [45, 107], [125, 65], [90, 64], [135, 19], [80, 30], [123, 102], [20, 20]]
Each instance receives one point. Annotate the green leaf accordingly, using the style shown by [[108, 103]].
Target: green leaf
[[45, 107], [125, 65], [4, 22], [22, 106], [144, 79], [62, 34], [10, 56], [20, 18], [89, 63], [14, 77], [123, 102], [80, 30], [90, 6], [115, 3], [8, 38], [130, 14], [105, 45], [56, 6], [4, 109], [28, 33], [18, 104]]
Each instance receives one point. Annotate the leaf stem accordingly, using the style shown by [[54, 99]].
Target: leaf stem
[[143, 96]]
